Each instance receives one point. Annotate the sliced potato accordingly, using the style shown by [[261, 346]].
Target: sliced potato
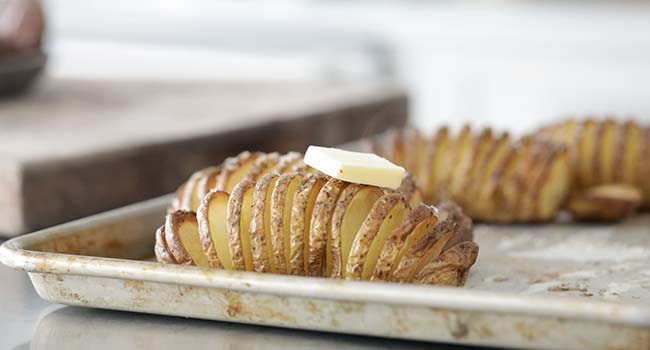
[[385, 216], [234, 170], [286, 162], [437, 166], [586, 147], [260, 227], [425, 249], [182, 235], [409, 189], [281, 203], [264, 164], [419, 221], [207, 182], [484, 183], [461, 162], [603, 168], [610, 202], [554, 189], [464, 226], [239, 215], [213, 230], [451, 268], [629, 154], [319, 238], [160, 249], [301, 211], [351, 210], [177, 200], [190, 199]]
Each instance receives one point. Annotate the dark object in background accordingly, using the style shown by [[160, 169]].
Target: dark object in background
[[21, 32], [77, 147]]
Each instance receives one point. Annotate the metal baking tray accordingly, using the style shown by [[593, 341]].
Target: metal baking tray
[[553, 286]]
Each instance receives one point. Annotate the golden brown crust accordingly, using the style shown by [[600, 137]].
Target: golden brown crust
[[367, 233], [430, 245], [451, 268], [203, 219], [421, 214], [300, 220], [235, 167], [294, 223], [234, 224], [342, 204], [160, 248], [172, 236], [320, 225], [259, 246], [611, 202]]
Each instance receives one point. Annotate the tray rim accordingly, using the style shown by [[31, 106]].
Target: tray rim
[[14, 254]]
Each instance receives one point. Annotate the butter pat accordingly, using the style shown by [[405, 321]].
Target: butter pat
[[357, 167]]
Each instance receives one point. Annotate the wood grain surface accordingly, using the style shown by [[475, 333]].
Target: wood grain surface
[[73, 147]]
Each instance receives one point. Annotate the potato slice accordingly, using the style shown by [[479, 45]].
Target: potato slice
[[213, 231], [464, 227], [552, 192], [629, 154], [410, 191], [286, 162], [425, 249], [239, 213], [281, 203], [301, 211], [384, 217], [260, 227], [461, 161], [263, 165], [351, 210], [182, 235], [177, 200], [438, 164], [586, 147], [160, 248], [394, 146], [483, 145], [610, 202], [419, 220], [485, 183], [207, 182], [603, 168], [319, 237], [451, 268], [190, 199], [235, 170], [644, 168]]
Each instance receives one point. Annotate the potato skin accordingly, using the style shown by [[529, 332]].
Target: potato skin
[[160, 248], [395, 242], [439, 234], [234, 224], [451, 268], [318, 207], [259, 246], [320, 225], [367, 233], [299, 221], [342, 204], [202, 217], [604, 152], [278, 199], [173, 239]]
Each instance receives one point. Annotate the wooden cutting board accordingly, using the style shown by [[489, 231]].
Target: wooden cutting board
[[74, 147]]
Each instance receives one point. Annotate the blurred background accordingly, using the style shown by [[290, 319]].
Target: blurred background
[[512, 64]]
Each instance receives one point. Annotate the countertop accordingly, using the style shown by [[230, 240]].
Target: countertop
[[28, 322]]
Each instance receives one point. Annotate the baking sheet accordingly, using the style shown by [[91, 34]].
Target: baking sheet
[[547, 286]]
